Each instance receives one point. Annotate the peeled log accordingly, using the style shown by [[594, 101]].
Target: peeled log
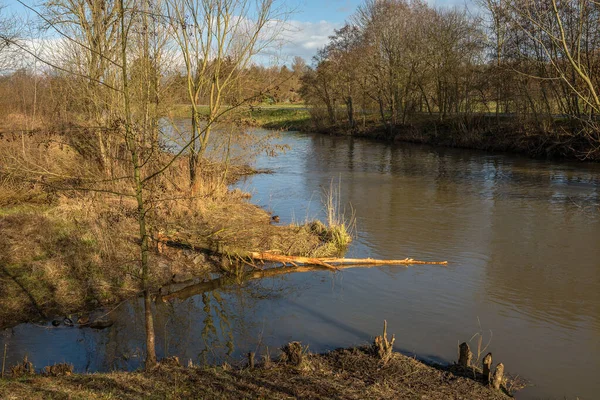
[[372, 261], [288, 259], [327, 262], [333, 262]]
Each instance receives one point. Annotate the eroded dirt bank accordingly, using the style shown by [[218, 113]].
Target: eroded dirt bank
[[340, 374]]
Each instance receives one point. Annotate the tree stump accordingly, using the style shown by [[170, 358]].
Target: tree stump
[[23, 369], [267, 360], [171, 361], [251, 360], [382, 347], [487, 368], [62, 369], [498, 376], [464, 356], [292, 353]]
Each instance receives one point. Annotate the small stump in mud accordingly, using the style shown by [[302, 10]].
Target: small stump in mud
[[382, 348], [62, 369], [487, 368], [170, 361], [498, 377], [251, 360], [464, 355], [293, 353], [23, 369]]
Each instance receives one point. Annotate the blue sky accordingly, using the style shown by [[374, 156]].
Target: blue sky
[[334, 11], [312, 22]]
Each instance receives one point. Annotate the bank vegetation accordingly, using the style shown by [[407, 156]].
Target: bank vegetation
[[503, 74]]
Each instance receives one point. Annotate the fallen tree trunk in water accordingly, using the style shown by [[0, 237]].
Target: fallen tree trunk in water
[[272, 256], [334, 262]]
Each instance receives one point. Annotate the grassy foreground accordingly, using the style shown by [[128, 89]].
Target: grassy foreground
[[340, 374]]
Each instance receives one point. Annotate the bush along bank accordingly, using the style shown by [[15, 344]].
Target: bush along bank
[[554, 138]]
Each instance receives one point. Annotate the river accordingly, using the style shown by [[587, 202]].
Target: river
[[521, 237]]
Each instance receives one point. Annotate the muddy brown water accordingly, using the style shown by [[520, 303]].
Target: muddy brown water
[[522, 238]]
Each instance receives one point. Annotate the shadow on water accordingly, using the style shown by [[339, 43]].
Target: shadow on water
[[290, 305], [208, 322]]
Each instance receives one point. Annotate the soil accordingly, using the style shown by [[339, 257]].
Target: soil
[[341, 374]]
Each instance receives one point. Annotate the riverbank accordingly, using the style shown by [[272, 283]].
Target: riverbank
[[478, 131], [74, 256], [67, 252], [344, 373], [291, 117], [486, 132]]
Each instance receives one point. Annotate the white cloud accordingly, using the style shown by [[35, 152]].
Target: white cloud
[[294, 38], [302, 39]]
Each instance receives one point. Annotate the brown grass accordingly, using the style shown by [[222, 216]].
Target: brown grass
[[64, 251], [340, 374]]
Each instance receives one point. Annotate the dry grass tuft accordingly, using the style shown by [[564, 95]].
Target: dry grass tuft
[[22, 369], [340, 228]]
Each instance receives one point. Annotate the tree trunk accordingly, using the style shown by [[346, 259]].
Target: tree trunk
[[331, 112], [193, 159], [139, 194], [144, 248], [150, 341], [350, 111]]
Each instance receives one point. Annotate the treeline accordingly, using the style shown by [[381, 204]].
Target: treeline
[[32, 96], [519, 64]]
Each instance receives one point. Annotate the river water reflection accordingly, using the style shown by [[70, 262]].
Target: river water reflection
[[521, 236]]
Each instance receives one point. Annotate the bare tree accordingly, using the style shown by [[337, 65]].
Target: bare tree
[[88, 49], [218, 39], [8, 36], [567, 35], [319, 87], [102, 39]]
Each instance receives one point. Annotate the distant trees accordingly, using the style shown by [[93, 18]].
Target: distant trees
[[533, 59], [557, 41], [320, 88], [398, 57]]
